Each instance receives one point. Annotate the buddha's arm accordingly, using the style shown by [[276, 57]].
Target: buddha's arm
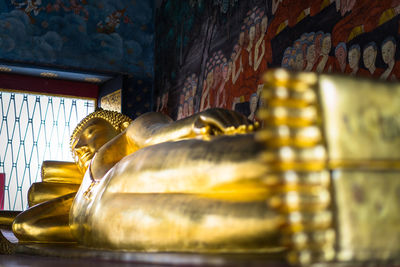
[[45, 222], [61, 172], [154, 128], [146, 131], [44, 191], [58, 178]]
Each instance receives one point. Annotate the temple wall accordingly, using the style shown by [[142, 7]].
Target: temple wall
[[213, 53]]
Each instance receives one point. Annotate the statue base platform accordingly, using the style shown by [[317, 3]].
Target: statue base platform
[[61, 255], [31, 254]]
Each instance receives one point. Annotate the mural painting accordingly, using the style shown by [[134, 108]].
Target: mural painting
[[96, 35], [213, 53]]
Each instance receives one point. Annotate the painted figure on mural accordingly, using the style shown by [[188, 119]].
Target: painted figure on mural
[[311, 57], [164, 103], [341, 58], [370, 52], [318, 42], [248, 80], [245, 47], [299, 60], [249, 48], [205, 97], [285, 61], [324, 63], [229, 86], [180, 107], [215, 75], [388, 56], [194, 83], [260, 62], [253, 106], [222, 90], [292, 61], [218, 78], [190, 106], [237, 66], [185, 109], [310, 38], [180, 112], [354, 59]]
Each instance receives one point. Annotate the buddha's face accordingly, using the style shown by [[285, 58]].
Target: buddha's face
[[94, 135]]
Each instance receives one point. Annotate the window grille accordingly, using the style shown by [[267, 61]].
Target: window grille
[[34, 128]]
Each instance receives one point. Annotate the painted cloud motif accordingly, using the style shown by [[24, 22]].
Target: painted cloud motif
[[101, 35]]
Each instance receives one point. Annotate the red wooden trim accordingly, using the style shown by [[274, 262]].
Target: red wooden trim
[[48, 86], [2, 183]]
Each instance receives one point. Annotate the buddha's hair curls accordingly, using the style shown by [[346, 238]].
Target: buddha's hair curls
[[117, 120]]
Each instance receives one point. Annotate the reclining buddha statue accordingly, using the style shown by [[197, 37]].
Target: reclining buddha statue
[[147, 183], [309, 182]]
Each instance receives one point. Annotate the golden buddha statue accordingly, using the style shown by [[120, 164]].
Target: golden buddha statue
[[208, 160], [214, 182]]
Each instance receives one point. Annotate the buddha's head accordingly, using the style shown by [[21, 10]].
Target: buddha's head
[[93, 132]]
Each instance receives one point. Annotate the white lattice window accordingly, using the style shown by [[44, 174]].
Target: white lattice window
[[34, 128]]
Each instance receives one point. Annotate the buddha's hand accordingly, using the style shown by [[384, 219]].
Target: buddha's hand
[[219, 121]]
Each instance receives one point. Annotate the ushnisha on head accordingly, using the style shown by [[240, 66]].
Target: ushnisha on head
[[93, 132]]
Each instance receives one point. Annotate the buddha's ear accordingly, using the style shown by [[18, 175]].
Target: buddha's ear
[[125, 125]]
